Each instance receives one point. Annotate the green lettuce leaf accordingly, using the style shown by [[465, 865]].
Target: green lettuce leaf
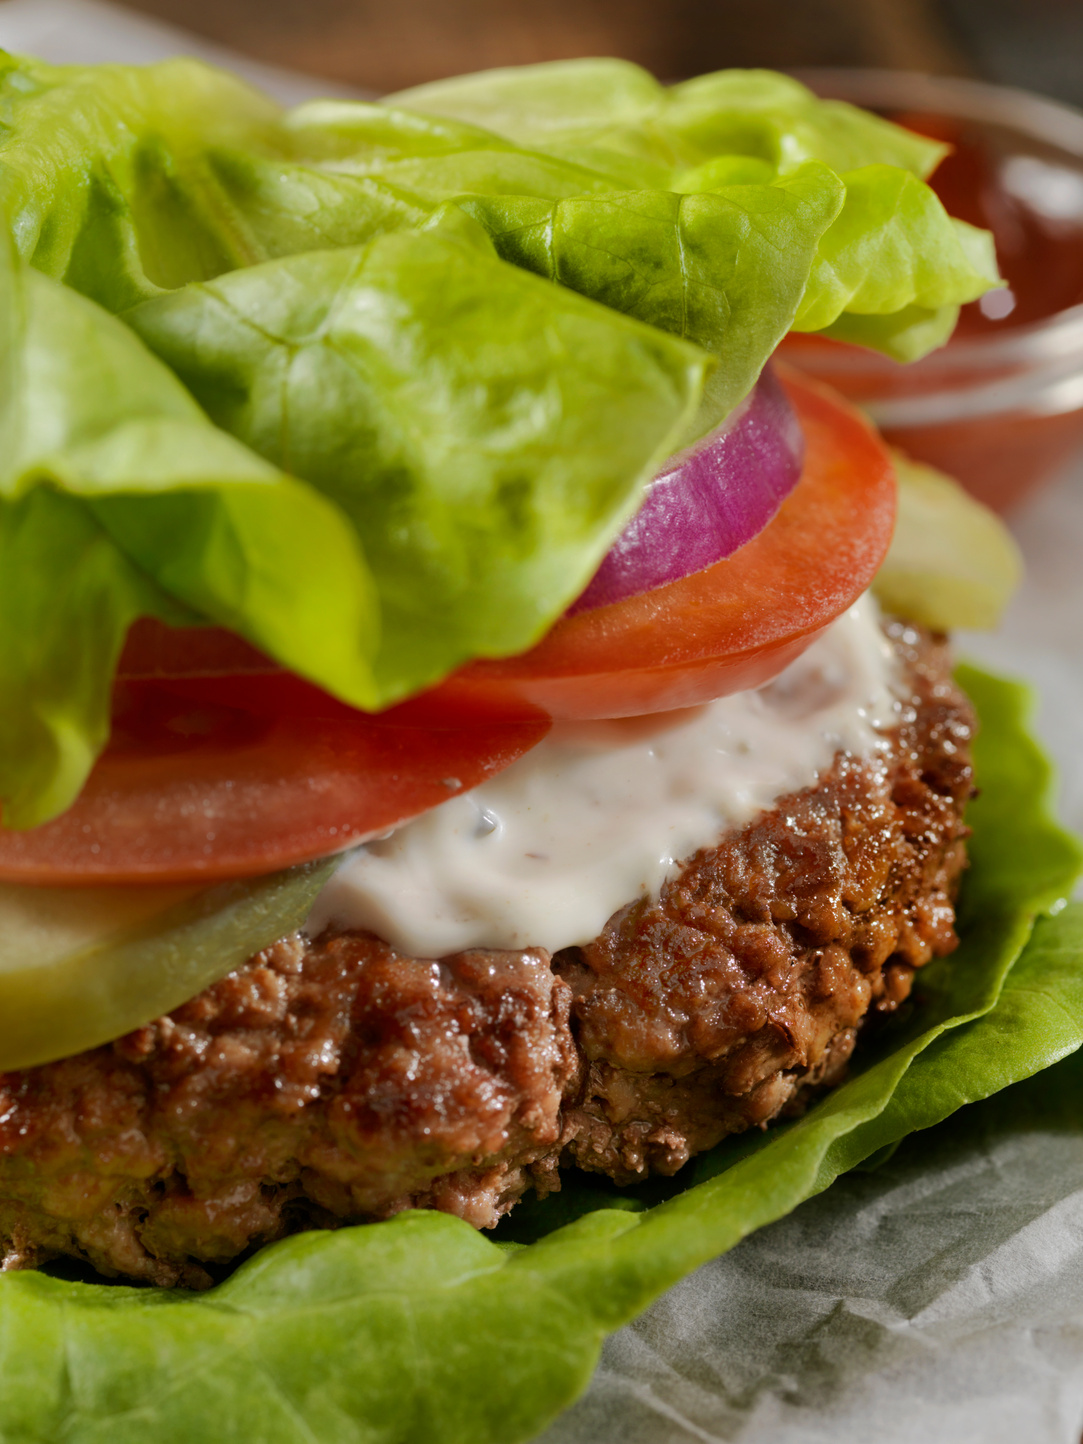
[[759, 112], [542, 105], [118, 498], [616, 118], [67, 597], [486, 471], [733, 257], [727, 269], [736, 267], [123, 181], [777, 212], [103, 171], [894, 256], [344, 172], [288, 208], [422, 1330], [486, 433], [862, 237], [905, 335]]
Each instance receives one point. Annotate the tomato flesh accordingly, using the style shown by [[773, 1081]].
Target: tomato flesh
[[193, 790], [222, 765]]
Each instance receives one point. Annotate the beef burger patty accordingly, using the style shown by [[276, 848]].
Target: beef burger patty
[[334, 1080]]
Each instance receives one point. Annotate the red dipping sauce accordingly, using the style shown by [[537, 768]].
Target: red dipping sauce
[[1001, 406]]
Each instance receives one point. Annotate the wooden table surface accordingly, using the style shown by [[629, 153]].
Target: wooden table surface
[[387, 44]]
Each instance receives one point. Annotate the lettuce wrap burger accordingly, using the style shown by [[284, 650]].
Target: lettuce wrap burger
[[468, 735]]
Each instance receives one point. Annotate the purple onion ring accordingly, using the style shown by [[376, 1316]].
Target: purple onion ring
[[707, 501]]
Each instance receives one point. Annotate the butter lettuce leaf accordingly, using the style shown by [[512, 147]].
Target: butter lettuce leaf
[[486, 433], [288, 208], [421, 1331], [616, 118], [461, 479], [694, 265], [67, 598], [118, 498], [104, 180], [895, 259], [831, 198], [122, 181]]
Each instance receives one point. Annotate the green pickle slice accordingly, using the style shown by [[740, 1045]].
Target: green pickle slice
[[952, 562], [82, 966]]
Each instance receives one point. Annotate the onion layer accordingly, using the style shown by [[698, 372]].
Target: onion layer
[[707, 501]]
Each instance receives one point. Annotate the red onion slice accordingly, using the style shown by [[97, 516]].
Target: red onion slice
[[708, 501]]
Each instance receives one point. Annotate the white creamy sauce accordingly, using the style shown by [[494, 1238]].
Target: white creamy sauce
[[602, 812]]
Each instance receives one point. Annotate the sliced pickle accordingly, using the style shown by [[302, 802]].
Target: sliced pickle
[[82, 966], [952, 563]]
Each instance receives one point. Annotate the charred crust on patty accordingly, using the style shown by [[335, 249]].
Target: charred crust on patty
[[336, 1080]]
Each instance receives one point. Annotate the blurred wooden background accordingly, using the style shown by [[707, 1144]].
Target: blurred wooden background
[[387, 44], [383, 45]]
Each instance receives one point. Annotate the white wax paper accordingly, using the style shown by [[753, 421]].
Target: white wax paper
[[939, 1299]]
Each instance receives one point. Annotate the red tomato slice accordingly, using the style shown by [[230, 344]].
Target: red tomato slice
[[155, 650], [190, 790]]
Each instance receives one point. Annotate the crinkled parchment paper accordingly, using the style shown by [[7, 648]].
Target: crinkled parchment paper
[[938, 1299]]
